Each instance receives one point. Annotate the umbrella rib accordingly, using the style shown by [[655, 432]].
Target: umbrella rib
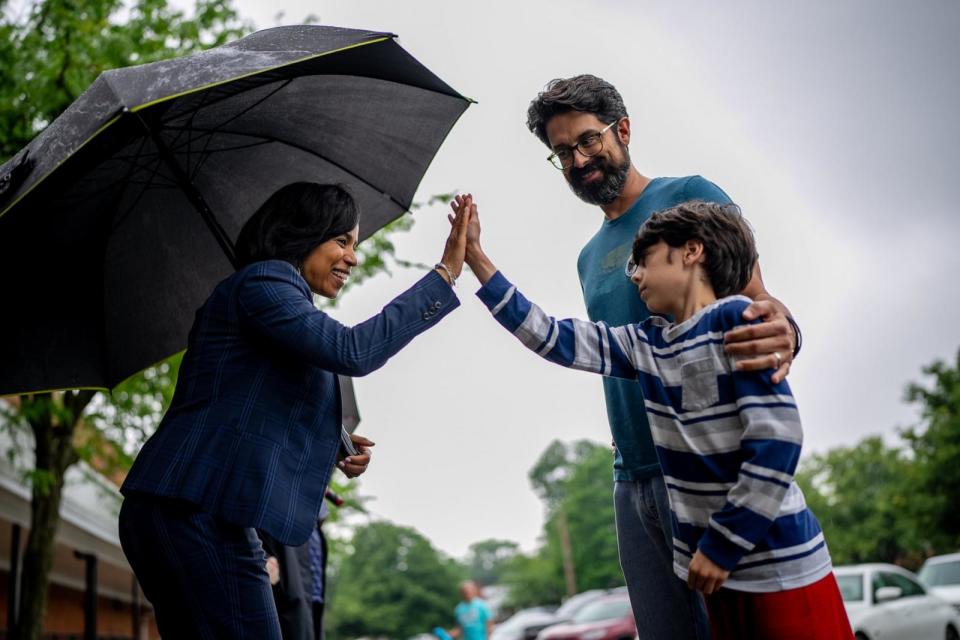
[[220, 126], [133, 165], [120, 219], [190, 190], [190, 128], [268, 139], [227, 97]]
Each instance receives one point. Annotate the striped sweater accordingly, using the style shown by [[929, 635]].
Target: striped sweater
[[728, 441]]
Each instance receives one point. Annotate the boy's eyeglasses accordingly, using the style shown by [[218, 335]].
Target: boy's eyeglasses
[[631, 267], [590, 145]]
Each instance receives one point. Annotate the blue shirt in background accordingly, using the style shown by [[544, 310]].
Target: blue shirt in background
[[472, 618], [611, 297]]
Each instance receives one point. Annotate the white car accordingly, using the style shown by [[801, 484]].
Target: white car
[[941, 575], [886, 602]]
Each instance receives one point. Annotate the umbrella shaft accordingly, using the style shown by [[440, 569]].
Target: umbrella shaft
[[190, 190]]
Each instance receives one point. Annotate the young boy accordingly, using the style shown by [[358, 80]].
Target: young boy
[[728, 441]]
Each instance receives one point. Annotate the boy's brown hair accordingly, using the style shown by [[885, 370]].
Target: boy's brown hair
[[728, 245]]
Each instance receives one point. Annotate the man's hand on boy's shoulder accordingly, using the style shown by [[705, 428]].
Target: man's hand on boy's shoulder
[[704, 575], [767, 345]]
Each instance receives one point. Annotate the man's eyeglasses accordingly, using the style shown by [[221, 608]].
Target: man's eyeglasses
[[589, 145]]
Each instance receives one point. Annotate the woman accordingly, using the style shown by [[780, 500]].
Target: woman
[[253, 430]]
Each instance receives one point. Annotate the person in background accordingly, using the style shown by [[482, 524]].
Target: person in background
[[298, 575], [313, 567], [474, 621]]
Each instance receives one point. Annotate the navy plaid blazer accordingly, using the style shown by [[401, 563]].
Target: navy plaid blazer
[[253, 430]]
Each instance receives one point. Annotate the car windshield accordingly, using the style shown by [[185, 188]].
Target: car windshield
[[569, 608], [602, 610], [940, 574], [851, 587], [521, 619]]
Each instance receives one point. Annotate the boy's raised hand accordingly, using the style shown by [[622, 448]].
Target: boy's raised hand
[[703, 575], [464, 203]]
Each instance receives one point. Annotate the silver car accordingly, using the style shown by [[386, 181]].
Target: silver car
[[941, 576], [887, 602]]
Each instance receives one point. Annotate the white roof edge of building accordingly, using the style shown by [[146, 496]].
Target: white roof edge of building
[[90, 504]]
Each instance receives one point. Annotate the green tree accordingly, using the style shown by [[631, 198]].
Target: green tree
[[935, 445], [536, 579], [579, 535], [550, 472], [396, 585], [486, 559], [883, 503], [864, 502], [593, 532]]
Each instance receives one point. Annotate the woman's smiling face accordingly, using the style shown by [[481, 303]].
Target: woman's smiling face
[[328, 266]]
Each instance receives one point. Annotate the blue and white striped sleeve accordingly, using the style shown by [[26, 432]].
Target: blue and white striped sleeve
[[577, 344], [765, 487]]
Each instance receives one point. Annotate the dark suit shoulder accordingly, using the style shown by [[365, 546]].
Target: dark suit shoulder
[[269, 273]]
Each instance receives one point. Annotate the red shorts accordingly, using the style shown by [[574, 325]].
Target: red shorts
[[813, 612]]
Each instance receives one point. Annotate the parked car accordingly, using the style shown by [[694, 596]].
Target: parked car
[[605, 618], [887, 602], [941, 575], [564, 612], [512, 628]]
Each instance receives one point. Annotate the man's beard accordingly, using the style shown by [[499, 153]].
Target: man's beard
[[610, 185]]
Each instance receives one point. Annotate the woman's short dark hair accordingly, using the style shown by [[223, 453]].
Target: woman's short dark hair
[[730, 251], [580, 93], [294, 221]]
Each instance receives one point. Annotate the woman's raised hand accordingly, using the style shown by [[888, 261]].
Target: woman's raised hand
[[455, 251], [478, 261], [473, 224]]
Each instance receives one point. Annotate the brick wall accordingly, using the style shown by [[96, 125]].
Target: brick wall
[[65, 616]]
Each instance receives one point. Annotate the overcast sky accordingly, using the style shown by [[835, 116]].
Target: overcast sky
[[832, 124]]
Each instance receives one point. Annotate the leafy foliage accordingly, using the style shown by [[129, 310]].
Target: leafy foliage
[[487, 559], [54, 49], [881, 503], [575, 480], [935, 445], [394, 584], [862, 497]]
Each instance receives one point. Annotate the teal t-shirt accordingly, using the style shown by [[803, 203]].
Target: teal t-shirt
[[472, 618], [612, 298]]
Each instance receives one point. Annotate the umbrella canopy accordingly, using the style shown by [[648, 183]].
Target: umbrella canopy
[[118, 219]]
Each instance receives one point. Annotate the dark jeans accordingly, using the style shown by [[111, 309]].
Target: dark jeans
[[663, 607], [205, 577]]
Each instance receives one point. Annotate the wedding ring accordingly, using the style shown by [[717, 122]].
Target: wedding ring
[[779, 359]]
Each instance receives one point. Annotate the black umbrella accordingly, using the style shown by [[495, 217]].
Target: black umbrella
[[118, 219]]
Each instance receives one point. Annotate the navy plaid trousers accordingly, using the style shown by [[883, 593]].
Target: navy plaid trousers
[[205, 577]]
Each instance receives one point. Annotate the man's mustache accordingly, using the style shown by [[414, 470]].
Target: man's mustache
[[577, 173]]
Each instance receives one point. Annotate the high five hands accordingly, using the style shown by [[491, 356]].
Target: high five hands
[[464, 209], [451, 264]]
